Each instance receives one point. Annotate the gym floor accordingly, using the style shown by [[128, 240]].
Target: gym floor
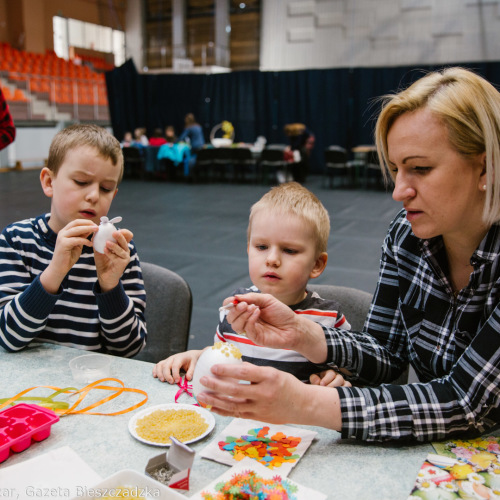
[[199, 231]]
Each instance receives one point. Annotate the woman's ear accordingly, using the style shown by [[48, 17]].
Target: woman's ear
[[319, 265], [46, 177]]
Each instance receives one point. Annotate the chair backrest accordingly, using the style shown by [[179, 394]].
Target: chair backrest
[[335, 156], [271, 156], [222, 155], [354, 303], [132, 153], [169, 303], [205, 156], [372, 159], [241, 155]]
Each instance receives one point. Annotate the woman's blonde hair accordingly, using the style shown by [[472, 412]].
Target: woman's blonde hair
[[293, 198], [469, 106], [79, 135]]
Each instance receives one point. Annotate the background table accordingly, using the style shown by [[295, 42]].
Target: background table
[[339, 468]]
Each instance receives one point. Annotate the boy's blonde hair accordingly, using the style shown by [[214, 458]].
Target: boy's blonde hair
[[79, 135], [468, 106], [293, 198]]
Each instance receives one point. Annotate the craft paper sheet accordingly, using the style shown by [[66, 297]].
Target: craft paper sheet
[[467, 469], [247, 464], [59, 474], [241, 428]]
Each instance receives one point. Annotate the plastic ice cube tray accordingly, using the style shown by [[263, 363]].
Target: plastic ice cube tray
[[22, 423]]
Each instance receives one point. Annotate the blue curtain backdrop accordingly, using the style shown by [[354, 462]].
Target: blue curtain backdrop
[[338, 105]]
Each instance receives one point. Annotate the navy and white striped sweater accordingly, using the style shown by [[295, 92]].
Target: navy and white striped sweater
[[79, 315]]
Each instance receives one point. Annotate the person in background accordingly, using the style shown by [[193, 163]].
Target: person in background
[[7, 128], [287, 242], [301, 143], [437, 301], [54, 287], [140, 138], [192, 132], [170, 134], [157, 139], [127, 140]]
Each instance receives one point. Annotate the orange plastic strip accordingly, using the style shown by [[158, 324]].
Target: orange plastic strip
[[117, 391]]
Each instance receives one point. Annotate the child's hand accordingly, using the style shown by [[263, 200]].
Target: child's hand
[[69, 244], [169, 369], [329, 378], [111, 264]]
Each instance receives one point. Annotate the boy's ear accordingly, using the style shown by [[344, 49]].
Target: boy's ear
[[46, 181], [319, 265]]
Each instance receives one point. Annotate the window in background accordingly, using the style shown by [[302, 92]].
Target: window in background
[[73, 33]]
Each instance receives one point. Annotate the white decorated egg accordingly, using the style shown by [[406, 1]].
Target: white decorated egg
[[104, 233], [219, 353]]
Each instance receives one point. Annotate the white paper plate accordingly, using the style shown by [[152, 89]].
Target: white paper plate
[[209, 419], [131, 479]]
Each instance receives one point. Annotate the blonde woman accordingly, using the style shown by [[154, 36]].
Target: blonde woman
[[437, 301]]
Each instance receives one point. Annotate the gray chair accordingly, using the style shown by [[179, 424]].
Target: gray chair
[[169, 303], [355, 305]]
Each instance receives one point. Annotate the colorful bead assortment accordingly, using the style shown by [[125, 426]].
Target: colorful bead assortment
[[269, 451], [249, 486]]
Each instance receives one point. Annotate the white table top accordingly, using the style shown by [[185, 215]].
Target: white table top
[[339, 468]]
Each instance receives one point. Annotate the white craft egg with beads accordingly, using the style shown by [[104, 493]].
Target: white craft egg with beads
[[219, 353]]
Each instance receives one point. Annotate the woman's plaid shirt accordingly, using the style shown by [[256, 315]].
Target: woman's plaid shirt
[[452, 343]]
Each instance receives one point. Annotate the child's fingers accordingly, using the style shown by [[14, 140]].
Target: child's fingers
[[190, 372], [162, 371]]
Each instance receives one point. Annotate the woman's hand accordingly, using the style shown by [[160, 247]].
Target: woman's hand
[[270, 396], [270, 323]]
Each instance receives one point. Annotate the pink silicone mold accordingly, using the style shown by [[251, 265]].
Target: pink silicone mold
[[22, 423]]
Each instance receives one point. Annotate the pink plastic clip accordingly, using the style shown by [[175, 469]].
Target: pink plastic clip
[[184, 387]]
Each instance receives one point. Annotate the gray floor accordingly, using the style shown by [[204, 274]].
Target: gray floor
[[199, 231]]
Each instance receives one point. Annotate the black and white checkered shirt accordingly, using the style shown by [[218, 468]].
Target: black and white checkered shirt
[[452, 343]]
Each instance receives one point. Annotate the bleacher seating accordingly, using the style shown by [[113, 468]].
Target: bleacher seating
[[67, 87]]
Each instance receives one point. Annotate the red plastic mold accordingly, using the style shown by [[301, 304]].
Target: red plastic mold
[[22, 423]]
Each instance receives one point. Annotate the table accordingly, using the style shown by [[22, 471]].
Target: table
[[339, 468], [361, 154]]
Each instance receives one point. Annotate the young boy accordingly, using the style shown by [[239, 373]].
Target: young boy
[[287, 245], [53, 286]]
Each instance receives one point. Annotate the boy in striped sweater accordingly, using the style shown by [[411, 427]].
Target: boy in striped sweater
[[53, 286], [287, 243]]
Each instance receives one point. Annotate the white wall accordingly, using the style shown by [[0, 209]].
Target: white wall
[[31, 146], [307, 34]]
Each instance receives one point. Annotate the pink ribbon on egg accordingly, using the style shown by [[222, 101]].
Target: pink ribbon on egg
[[184, 387]]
